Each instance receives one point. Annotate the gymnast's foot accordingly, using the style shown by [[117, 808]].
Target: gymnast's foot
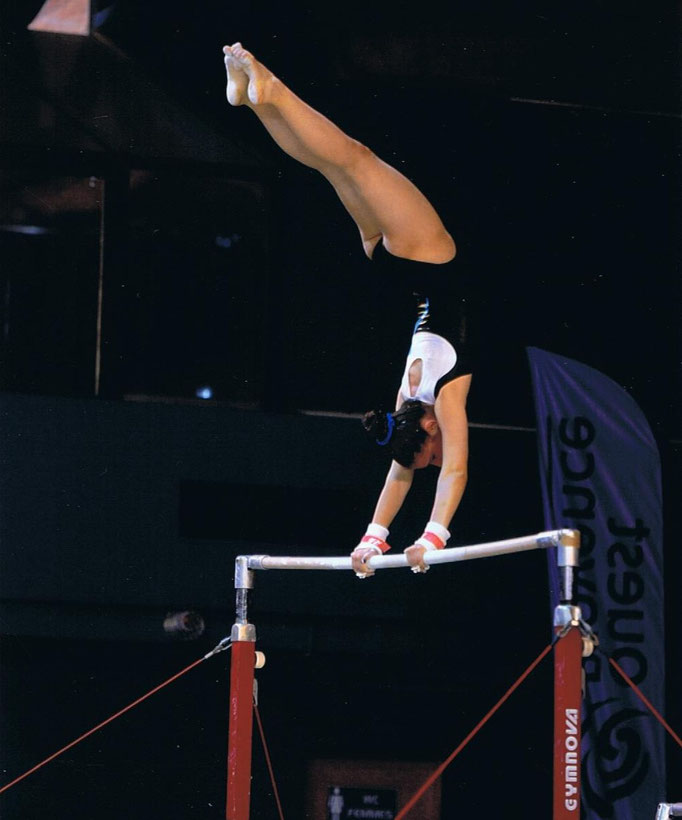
[[248, 81]]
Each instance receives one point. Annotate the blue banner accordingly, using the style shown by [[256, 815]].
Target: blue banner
[[600, 474]]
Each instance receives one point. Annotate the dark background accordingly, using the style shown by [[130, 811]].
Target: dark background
[[548, 139]]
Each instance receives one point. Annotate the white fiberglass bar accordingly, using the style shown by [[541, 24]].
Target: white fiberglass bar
[[542, 540]]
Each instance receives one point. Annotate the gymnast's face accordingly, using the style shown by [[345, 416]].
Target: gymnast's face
[[432, 449]]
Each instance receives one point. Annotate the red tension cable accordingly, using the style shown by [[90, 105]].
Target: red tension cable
[[99, 726], [439, 771], [269, 762], [646, 702]]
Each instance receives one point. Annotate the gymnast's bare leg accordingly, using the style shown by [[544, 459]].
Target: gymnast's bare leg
[[384, 204]]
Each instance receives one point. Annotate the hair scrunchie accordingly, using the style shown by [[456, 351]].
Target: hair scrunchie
[[391, 427]]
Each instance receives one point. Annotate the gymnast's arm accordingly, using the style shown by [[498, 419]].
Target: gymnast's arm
[[393, 494], [450, 410], [451, 415], [395, 490]]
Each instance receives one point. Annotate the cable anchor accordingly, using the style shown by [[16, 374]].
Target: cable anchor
[[567, 617], [226, 643]]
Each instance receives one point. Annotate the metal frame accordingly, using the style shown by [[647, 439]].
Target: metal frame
[[573, 642]]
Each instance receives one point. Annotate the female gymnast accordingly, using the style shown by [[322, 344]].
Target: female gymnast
[[400, 230]]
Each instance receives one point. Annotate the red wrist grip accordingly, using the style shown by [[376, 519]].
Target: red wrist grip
[[432, 538], [373, 541]]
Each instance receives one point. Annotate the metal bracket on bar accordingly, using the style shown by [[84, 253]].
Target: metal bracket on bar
[[242, 630], [568, 546], [243, 576], [255, 561], [566, 617]]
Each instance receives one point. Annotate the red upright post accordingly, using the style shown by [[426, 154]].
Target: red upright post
[[567, 719], [568, 675], [240, 731], [243, 640]]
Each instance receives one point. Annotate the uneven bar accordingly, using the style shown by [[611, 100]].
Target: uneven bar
[[542, 540]]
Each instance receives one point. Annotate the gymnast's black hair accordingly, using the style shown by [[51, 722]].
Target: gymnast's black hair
[[400, 432]]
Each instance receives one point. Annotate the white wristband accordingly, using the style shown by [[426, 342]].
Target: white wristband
[[439, 530], [377, 531], [428, 546]]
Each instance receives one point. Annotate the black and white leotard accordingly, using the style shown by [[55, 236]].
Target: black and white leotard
[[439, 333]]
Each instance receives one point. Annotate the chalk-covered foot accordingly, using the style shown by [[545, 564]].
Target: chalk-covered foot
[[237, 80], [248, 81]]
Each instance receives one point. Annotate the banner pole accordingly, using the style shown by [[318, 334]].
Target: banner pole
[[242, 681]]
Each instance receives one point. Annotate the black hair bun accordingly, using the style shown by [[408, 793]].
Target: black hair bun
[[376, 424]]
